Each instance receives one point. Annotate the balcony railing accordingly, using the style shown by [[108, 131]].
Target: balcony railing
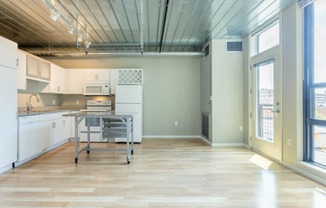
[[265, 122]]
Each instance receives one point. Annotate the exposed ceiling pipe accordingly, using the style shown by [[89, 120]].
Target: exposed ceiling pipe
[[77, 30], [141, 28], [164, 21], [127, 54]]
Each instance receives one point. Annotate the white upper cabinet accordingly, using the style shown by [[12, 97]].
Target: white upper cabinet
[[97, 75], [8, 56], [75, 81], [21, 71], [114, 76], [37, 68], [58, 80], [44, 70]]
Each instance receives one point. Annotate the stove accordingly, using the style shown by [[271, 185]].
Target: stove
[[94, 123]]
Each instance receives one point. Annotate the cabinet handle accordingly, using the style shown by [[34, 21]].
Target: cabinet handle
[[53, 125]]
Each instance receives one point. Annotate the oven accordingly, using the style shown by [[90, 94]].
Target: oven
[[94, 123]]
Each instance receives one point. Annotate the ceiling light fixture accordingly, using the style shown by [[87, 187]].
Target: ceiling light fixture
[[71, 30], [79, 37], [87, 43], [55, 14]]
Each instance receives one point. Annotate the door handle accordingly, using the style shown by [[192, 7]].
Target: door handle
[[275, 111]]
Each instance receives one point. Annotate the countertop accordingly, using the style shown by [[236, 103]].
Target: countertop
[[33, 113], [103, 114]]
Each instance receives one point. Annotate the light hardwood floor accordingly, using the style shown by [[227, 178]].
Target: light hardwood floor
[[162, 173]]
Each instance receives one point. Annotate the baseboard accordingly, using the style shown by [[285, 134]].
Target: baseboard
[[305, 173], [195, 137], [5, 168]]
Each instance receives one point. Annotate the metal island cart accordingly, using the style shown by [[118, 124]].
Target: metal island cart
[[112, 125]]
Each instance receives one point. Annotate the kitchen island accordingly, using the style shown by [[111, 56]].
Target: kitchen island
[[112, 124]]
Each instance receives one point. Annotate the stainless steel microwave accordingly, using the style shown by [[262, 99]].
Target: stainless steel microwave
[[96, 88]]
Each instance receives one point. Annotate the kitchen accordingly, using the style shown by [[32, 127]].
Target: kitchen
[[172, 85]]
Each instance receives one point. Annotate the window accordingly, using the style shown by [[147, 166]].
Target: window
[[315, 82], [268, 38]]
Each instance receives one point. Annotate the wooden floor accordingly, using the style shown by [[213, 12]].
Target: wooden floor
[[162, 173]]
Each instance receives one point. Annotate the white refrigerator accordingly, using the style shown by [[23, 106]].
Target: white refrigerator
[[129, 99], [8, 104]]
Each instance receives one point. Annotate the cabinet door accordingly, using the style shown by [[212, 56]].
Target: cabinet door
[[114, 76], [8, 53], [21, 71], [97, 75], [75, 81], [8, 121], [32, 67], [58, 80], [44, 70]]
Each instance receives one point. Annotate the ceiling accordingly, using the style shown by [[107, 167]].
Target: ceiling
[[131, 26]]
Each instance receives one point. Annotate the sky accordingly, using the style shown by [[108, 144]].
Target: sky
[[320, 41]]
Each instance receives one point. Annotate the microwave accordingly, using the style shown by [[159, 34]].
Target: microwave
[[96, 88]]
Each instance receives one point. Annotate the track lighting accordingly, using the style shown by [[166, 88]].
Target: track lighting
[[87, 44], [79, 37], [71, 30], [54, 15]]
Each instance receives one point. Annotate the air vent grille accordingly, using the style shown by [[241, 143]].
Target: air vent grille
[[234, 46]]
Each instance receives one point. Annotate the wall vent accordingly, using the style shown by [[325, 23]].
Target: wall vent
[[234, 46]]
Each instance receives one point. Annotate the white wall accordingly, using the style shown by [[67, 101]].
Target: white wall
[[292, 50], [227, 94], [171, 90]]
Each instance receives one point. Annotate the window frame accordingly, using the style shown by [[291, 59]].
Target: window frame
[[309, 87]]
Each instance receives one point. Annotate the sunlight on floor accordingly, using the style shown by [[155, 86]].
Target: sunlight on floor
[[261, 161]]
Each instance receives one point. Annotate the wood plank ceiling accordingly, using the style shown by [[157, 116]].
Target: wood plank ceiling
[[130, 26]]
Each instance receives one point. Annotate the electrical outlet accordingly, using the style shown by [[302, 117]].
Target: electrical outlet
[[176, 123], [53, 102], [77, 102], [241, 128], [288, 141]]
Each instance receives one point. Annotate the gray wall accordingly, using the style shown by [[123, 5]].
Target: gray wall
[[227, 94], [171, 90]]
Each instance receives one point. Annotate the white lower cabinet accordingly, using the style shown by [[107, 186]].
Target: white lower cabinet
[[41, 133]]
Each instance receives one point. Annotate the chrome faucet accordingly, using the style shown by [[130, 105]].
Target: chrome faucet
[[29, 107]]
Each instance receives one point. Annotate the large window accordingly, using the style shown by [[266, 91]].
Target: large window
[[315, 82]]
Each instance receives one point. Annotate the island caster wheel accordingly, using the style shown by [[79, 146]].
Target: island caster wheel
[[128, 160], [76, 160]]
